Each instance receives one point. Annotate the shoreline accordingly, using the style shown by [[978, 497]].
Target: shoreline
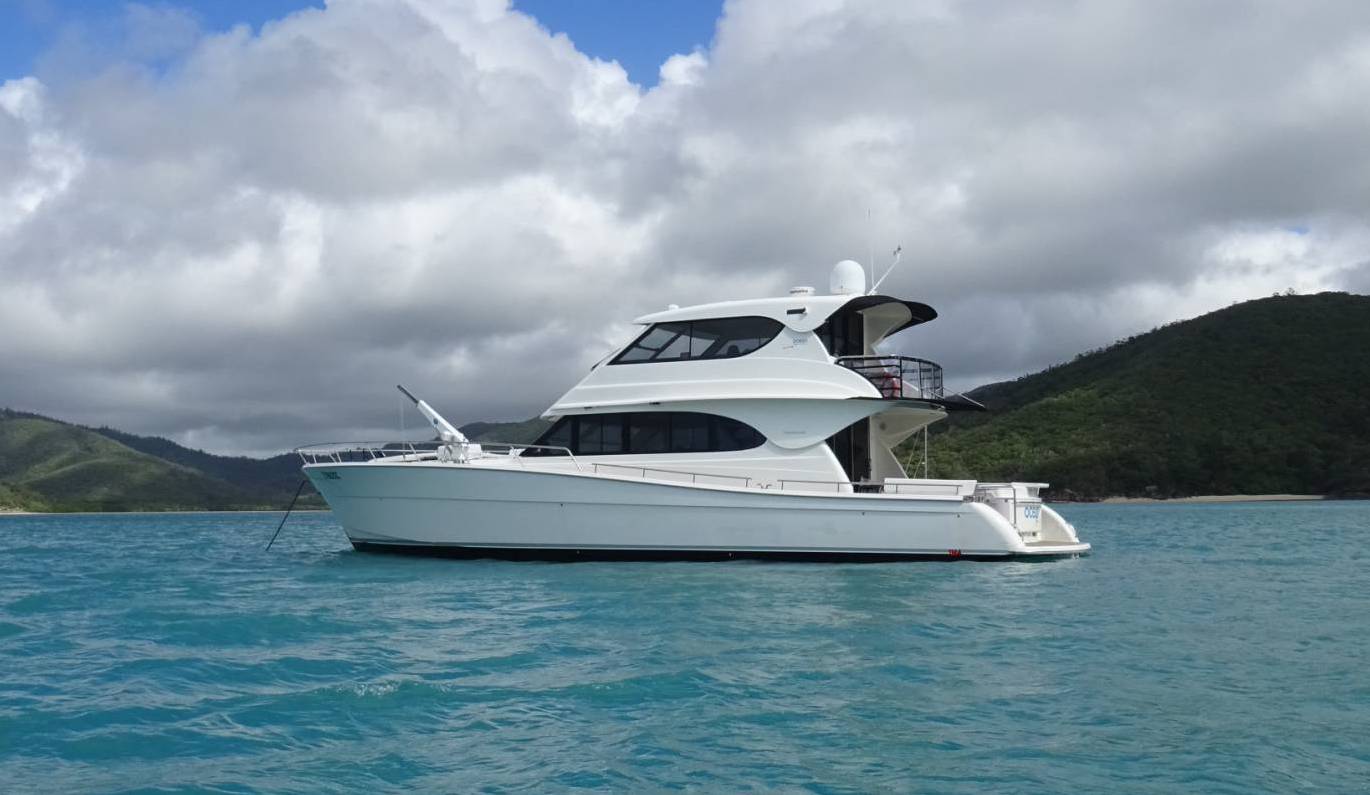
[[7, 512], [1195, 500], [1214, 498]]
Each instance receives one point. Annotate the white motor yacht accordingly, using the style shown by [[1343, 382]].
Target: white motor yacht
[[762, 428]]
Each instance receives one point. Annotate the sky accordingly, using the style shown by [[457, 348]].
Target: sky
[[638, 34], [238, 225]]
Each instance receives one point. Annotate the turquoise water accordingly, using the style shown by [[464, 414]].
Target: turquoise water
[[1202, 648]]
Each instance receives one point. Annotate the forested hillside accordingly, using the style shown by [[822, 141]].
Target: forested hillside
[[1267, 396], [47, 465]]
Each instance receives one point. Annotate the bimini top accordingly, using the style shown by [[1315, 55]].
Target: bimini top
[[803, 312]]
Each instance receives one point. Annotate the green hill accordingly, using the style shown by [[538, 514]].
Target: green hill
[[49, 465], [279, 474], [1267, 396]]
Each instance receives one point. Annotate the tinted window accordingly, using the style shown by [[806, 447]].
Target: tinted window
[[648, 432], [720, 338], [599, 434], [734, 435], [559, 435], [729, 337], [690, 432], [843, 334]]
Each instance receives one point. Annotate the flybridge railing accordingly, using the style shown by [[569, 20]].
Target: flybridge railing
[[898, 377]]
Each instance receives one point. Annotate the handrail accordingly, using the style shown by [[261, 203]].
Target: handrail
[[344, 452], [694, 476], [869, 486], [361, 452], [340, 452], [894, 375], [877, 488], [836, 484]]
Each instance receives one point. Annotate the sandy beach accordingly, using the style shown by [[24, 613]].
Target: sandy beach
[[1216, 498]]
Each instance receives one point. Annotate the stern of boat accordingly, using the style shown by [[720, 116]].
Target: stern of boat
[[1041, 531]]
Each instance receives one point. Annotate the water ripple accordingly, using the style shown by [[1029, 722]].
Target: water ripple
[[1202, 648]]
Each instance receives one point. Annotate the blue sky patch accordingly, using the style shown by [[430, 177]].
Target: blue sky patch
[[637, 34]]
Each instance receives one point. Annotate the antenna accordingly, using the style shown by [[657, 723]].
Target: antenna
[[870, 241], [897, 251]]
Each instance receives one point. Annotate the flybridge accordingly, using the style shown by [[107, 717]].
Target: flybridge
[[801, 312]]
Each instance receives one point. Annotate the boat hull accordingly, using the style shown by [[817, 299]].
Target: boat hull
[[523, 514]]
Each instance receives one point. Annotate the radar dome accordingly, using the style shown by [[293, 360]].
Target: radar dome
[[848, 278]]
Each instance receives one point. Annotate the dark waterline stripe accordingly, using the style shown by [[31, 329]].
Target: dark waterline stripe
[[567, 555]]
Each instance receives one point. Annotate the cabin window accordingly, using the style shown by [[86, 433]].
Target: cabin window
[[647, 433], [690, 432], [733, 435], [599, 434], [719, 338], [843, 334], [559, 435]]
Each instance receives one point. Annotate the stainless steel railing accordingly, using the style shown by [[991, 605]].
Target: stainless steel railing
[[898, 377], [361, 452], [349, 452], [694, 477]]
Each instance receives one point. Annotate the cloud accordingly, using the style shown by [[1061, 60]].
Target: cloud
[[243, 240], [1356, 278]]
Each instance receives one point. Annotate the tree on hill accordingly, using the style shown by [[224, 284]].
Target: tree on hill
[[1267, 396]]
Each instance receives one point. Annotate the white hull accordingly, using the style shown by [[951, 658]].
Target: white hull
[[484, 511]]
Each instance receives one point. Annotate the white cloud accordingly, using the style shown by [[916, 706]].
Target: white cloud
[[243, 240], [684, 69]]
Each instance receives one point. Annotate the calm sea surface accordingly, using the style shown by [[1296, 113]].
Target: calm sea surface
[[1202, 648]]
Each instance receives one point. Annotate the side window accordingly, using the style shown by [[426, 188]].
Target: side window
[[599, 434], [729, 337], [720, 338], [647, 433], [660, 342], [843, 334], [734, 435], [558, 435], [561, 434], [690, 432]]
